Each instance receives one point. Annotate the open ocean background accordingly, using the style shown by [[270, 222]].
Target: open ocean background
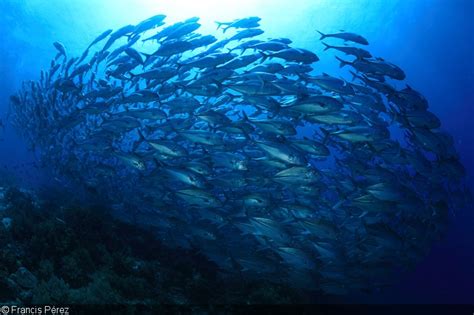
[[432, 40]]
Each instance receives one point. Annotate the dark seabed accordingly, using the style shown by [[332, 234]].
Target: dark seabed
[[304, 152]]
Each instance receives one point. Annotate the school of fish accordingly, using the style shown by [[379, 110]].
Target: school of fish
[[237, 146]]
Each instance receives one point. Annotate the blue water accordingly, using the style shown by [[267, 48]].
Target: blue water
[[432, 40]]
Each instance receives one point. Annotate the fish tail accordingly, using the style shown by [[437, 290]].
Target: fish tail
[[147, 57], [130, 37], [326, 134], [327, 46], [245, 117], [141, 136], [220, 226], [354, 75], [158, 163], [342, 62], [323, 36], [264, 56], [218, 83], [219, 25]]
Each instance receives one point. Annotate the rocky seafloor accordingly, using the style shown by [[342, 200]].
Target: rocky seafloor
[[55, 253]]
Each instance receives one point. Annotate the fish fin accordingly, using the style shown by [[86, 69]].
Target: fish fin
[[245, 117], [326, 134], [147, 57], [219, 24], [180, 65], [158, 163], [262, 248], [396, 116], [262, 82], [338, 204], [132, 76], [218, 83], [342, 62], [132, 36], [354, 75], [264, 56], [288, 221], [327, 46], [141, 136], [344, 100], [323, 36], [220, 226], [241, 214]]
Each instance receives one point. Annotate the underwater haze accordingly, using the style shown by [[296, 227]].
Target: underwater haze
[[431, 40]]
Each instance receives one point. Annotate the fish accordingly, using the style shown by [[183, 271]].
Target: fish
[[168, 148], [311, 147], [150, 23], [208, 61], [131, 161], [134, 54], [100, 38], [360, 134], [293, 55], [186, 177], [202, 137], [347, 37], [255, 87], [375, 67], [61, 50], [201, 41], [172, 47], [332, 84], [176, 30], [354, 51], [341, 118], [283, 153], [242, 148], [123, 31], [230, 161], [249, 22], [247, 33], [296, 175], [183, 30], [296, 257], [269, 46], [318, 104], [197, 197]]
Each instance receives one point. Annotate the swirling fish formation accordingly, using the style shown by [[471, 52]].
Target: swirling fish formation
[[239, 148]]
